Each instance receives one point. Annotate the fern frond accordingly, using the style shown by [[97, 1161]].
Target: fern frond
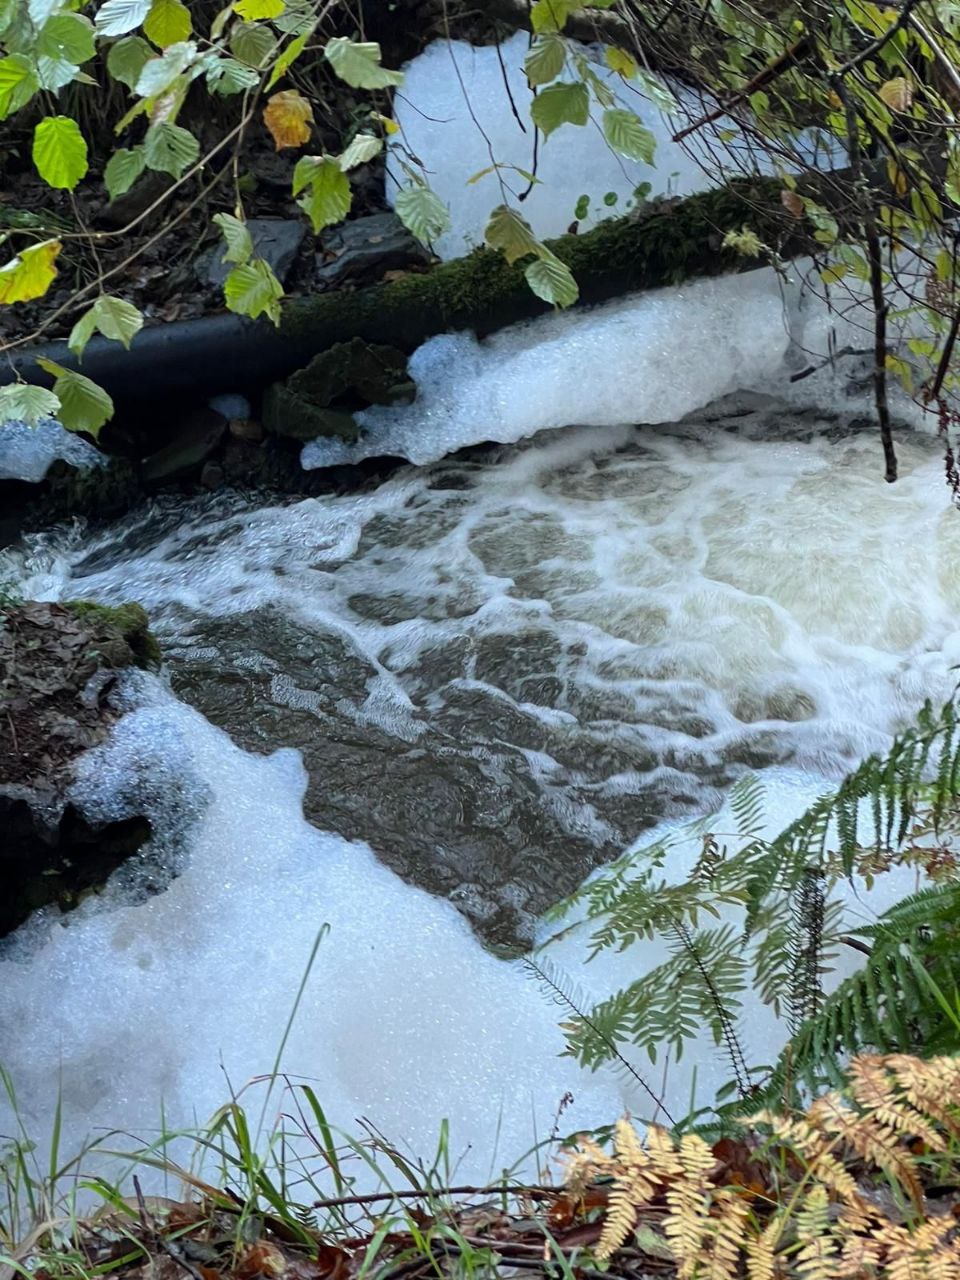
[[816, 1259], [747, 802], [872, 1141], [688, 1201]]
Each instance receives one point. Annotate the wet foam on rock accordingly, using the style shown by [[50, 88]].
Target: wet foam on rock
[[627, 361], [26, 452]]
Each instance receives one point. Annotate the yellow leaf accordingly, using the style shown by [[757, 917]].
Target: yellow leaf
[[620, 61], [390, 126], [288, 116], [31, 274], [896, 93], [254, 10]]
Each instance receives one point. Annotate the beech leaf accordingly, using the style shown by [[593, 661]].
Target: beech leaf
[[288, 116]]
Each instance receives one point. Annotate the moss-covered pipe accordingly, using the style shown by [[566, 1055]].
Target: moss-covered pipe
[[667, 242]]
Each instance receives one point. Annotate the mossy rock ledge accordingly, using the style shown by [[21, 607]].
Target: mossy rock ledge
[[58, 664]]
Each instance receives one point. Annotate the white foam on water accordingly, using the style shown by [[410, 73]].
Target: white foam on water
[[623, 362], [455, 113], [405, 1019], [26, 452], [463, 108]]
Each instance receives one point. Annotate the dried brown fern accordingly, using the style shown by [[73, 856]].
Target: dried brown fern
[[843, 1192]]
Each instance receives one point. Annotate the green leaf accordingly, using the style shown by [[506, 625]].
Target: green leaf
[[254, 10], [117, 17], [114, 317], [551, 15], [168, 22], [288, 57], [159, 73], [328, 196], [68, 36], [82, 332], [25, 402], [252, 289], [252, 44], [18, 84], [123, 169], [169, 148], [625, 133], [117, 319], [126, 59], [8, 11], [358, 64], [509, 233], [358, 151], [30, 274], [660, 95], [238, 238], [54, 73], [551, 279], [565, 103], [546, 58], [422, 212], [83, 405], [227, 76], [59, 152]]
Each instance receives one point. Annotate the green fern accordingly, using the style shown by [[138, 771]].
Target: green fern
[[895, 810]]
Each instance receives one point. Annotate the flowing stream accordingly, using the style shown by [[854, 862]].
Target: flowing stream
[[498, 671]]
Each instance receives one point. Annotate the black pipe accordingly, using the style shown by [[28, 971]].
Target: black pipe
[[184, 358]]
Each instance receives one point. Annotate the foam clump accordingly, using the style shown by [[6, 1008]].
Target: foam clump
[[454, 112], [168, 1002], [26, 452], [625, 362]]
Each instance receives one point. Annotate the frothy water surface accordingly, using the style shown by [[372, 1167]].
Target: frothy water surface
[[500, 671]]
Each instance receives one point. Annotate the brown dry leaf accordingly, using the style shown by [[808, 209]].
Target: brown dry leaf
[[896, 93], [288, 116], [261, 1259], [792, 203]]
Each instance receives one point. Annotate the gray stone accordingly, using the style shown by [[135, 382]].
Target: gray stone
[[362, 250], [277, 240]]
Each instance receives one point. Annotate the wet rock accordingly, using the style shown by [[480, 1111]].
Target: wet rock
[[459, 797], [199, 434], [362, 250], [357, 371], [320, 400], [58, 664], [276, 240], [293, 416], [51, 854]]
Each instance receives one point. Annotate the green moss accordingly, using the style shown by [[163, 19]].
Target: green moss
[[128, 621], [665, 243]]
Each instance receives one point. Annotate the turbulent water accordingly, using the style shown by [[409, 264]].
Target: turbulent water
[[499, 671]]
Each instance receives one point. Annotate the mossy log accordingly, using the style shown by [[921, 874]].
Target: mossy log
[[663, 244]]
